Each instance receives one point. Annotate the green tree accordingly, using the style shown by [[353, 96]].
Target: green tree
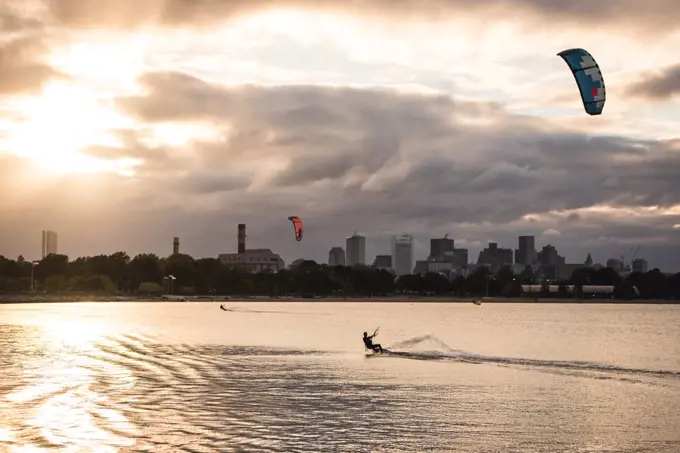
[[183, 268], [145, 267], [111, 273], [150, 288], [208, 272], [51, 265], [55, 283]]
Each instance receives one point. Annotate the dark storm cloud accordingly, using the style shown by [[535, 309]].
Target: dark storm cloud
[[496, 173], [369, 155], [381, 162], [658, 14], [662, 85], [209, 182], [378, 161]]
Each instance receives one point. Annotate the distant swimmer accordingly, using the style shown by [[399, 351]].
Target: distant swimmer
[[368, 342]]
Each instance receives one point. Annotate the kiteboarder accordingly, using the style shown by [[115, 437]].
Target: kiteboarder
[[368, 342]]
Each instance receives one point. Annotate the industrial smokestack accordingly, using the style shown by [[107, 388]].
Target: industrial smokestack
[[175, 245], [241, 238]]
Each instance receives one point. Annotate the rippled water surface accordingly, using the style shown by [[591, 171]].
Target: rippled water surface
[[294, 377]]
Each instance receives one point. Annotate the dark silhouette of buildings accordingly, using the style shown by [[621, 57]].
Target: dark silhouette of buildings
[[495, 257], [383, 262]]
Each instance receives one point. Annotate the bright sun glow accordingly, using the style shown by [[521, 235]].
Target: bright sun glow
[[56, 127], [109, 64], [59, 125]]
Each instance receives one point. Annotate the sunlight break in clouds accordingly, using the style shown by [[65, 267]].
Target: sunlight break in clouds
[[58, 125]]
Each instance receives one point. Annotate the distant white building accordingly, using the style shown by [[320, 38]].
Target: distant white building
[[402, 254], [254, 260]]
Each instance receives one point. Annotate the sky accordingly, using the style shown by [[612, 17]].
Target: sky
[[124, 124]]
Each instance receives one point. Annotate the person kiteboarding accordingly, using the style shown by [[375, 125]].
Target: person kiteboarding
[[368, 342]]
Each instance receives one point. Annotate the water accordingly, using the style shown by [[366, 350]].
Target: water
[[293, 377]]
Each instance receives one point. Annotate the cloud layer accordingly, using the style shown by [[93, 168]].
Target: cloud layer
[[663, 85], [482, 158], [130, 13]]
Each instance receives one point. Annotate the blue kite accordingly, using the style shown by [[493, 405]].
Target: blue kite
[[588, 78]]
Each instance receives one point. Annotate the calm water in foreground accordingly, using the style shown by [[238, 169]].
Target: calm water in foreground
[[294, 377]]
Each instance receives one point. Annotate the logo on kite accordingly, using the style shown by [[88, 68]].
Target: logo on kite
[[588, 79], [297, 227]]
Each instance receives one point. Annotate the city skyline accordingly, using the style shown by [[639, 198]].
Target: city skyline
[[436, 244], [124, 127]]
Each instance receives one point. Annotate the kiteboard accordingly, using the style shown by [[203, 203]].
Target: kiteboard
[[372, 354]]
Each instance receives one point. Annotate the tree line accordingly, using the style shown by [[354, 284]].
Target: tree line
[[148, 274]]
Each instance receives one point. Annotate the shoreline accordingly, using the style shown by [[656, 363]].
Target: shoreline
[[22, 299]]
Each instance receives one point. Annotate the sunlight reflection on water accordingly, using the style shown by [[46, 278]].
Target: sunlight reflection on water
[[56, 400], [103, 384]]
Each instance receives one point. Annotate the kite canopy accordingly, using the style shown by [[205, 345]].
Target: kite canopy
[[588, 78], [297, 227]]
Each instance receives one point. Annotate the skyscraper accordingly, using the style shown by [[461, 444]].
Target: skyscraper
[[440, 247], [175, 245], [526, 253], [402, 254], [241, 238], [49, 243], [356, 250], [336, 257]]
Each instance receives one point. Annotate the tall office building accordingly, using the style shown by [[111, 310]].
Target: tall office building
[[49, 243], [640, 265], [526, 253], [336, 257], [241, 238], [441, 247], [402, 254], [355, 246], [175, 246]]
